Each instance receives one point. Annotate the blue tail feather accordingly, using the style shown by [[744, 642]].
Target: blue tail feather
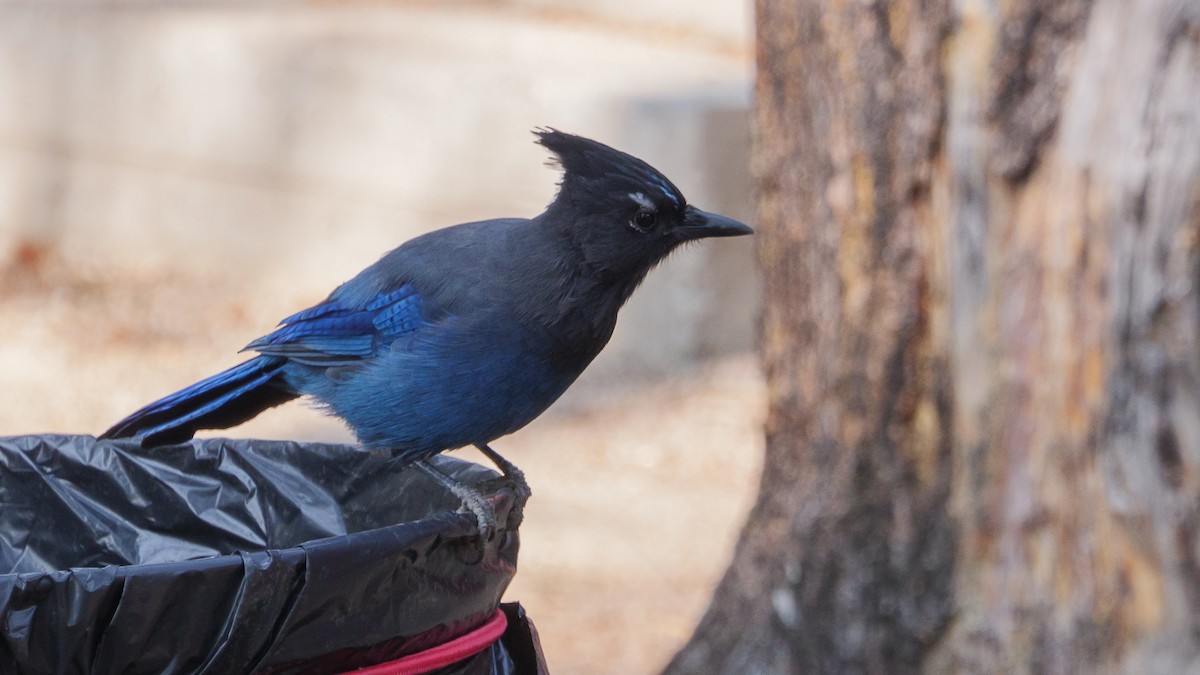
[[223, 400]]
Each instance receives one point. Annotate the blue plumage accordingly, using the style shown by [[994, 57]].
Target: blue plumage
[[464, 334], [333, 333], [211, 403]]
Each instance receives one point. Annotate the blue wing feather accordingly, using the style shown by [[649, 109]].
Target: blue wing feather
[[332, 334], [396, 297], [399, 317]]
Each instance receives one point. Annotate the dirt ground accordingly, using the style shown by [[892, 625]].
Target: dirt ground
[[639, 486]]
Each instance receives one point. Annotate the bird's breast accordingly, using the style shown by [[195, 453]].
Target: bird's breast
[[461, 383]]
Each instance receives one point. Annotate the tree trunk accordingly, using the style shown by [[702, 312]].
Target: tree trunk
[[980, 234]]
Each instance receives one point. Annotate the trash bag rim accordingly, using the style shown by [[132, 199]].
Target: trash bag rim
[[453, 523]]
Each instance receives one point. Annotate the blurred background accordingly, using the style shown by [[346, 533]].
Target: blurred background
[[176, 177]]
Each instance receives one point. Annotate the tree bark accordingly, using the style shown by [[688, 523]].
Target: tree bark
[[980, 237]]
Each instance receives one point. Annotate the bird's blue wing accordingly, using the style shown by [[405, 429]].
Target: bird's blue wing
[[333, 334]]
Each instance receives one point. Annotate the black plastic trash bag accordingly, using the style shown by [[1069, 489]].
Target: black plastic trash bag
[[233, 556]]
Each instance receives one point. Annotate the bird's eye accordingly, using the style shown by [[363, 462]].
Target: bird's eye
[[644, 220]]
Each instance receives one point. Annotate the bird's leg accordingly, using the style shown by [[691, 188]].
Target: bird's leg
[[509, 470], [485, 515]]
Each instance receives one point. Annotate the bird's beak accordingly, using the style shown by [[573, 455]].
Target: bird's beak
[[699, 224]]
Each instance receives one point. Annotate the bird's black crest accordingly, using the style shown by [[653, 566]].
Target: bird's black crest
[[586, 163]]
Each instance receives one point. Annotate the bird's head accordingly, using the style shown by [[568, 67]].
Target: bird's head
[[621, 212]]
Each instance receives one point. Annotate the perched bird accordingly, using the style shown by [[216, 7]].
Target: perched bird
[[464, 334]]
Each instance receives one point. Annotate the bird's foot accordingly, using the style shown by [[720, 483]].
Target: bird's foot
[[485, 514], [516, 477], [509, 470]]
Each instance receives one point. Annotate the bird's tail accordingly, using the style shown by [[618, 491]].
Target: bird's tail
[[221, 401]]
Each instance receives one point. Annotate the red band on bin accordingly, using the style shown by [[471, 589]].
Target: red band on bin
[[445, 654]]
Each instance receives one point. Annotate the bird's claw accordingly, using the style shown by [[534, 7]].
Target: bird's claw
[[484, 512], [516, 477], [510, 471]]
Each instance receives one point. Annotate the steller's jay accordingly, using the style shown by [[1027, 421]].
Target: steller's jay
[[464, 334]]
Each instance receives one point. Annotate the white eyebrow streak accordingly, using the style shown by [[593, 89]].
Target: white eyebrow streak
[[642, 200]]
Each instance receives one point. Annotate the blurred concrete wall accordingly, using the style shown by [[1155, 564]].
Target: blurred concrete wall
[[291, 143]]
